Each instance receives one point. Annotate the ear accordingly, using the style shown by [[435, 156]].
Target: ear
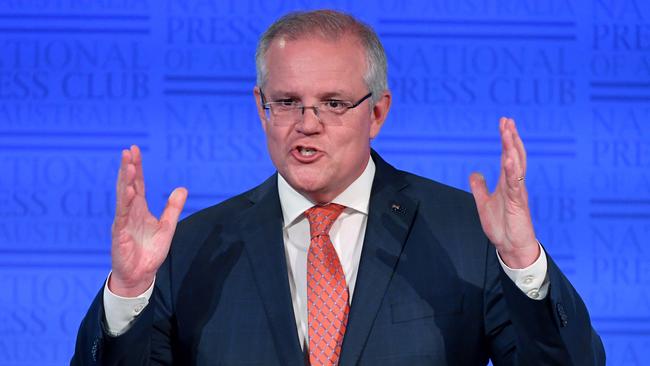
[[260, 109], [379, 113]]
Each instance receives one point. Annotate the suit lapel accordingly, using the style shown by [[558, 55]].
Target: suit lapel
[[391, 214], [262, 233]]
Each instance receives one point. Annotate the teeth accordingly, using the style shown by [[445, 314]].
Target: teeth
[[306, 151]]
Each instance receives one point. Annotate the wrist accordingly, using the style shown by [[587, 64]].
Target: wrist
[[122, 288], [521, 257]]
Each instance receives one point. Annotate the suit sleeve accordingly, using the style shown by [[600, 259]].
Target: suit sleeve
[[523, 331], [147, 342]]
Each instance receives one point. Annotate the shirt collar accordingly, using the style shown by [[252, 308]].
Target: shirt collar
[[356, 196]]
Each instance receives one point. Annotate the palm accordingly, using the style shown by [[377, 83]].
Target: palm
[[140, 242], [504, 219], [504, 214]]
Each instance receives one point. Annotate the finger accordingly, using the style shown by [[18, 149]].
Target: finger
[[124, 161], [173, 209], [479, 189], [125, 191], [512, 145], [512, 179], [511, 164], [139, 175], [519, 146], [504, 149], [125, 158], [502, 124]]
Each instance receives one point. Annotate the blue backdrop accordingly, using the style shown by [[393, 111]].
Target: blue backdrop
[[82, 79]]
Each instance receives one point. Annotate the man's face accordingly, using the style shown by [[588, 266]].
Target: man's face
[[312, 70]]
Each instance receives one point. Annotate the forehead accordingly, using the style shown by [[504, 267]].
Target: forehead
[[315, 65]]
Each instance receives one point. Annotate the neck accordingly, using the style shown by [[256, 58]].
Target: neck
[[326, 196]]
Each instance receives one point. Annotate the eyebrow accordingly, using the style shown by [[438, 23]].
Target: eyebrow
[[334, 94], [280, 94]]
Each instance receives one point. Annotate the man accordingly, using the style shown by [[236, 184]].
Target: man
[[339, 258]]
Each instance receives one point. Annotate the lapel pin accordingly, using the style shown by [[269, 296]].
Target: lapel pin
[[397, 208]]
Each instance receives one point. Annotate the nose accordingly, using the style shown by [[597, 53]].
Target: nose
[[310, 122]]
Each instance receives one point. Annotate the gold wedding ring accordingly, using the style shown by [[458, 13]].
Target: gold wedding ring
[[519, 179]]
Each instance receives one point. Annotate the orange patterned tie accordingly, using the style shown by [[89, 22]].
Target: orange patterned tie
[[327, 292]]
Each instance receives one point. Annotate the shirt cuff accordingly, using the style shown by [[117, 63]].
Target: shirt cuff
[[532, 280], [121, 311]]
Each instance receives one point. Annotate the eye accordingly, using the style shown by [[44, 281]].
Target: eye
[[286, 103], [335, 105]]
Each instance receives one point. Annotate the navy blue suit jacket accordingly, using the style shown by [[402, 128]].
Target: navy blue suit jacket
[[429, 291]]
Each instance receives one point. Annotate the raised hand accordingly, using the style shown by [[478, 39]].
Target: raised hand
[[504, 214], [140, 242]]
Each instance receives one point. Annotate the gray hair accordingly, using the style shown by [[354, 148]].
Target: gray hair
[[329, 24]]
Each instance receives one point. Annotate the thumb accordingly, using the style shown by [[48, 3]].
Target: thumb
[[479, 189], [174, 207]]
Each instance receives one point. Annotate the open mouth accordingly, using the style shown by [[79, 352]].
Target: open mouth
[[306, 154], [306, 151]]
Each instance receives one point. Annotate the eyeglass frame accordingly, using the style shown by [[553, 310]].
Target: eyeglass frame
[[267, 106]]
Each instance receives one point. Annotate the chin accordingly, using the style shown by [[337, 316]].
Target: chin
[[307, 184]]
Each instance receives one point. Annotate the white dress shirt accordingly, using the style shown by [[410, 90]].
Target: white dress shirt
[[347, 234]]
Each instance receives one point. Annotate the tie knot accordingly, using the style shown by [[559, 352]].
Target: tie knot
[[321, 218]]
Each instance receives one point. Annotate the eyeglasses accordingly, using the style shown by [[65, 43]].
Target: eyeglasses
[[288, 111]]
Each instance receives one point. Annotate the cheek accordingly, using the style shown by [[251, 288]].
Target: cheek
[[275, 147], [275, 139], [354, 140]]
